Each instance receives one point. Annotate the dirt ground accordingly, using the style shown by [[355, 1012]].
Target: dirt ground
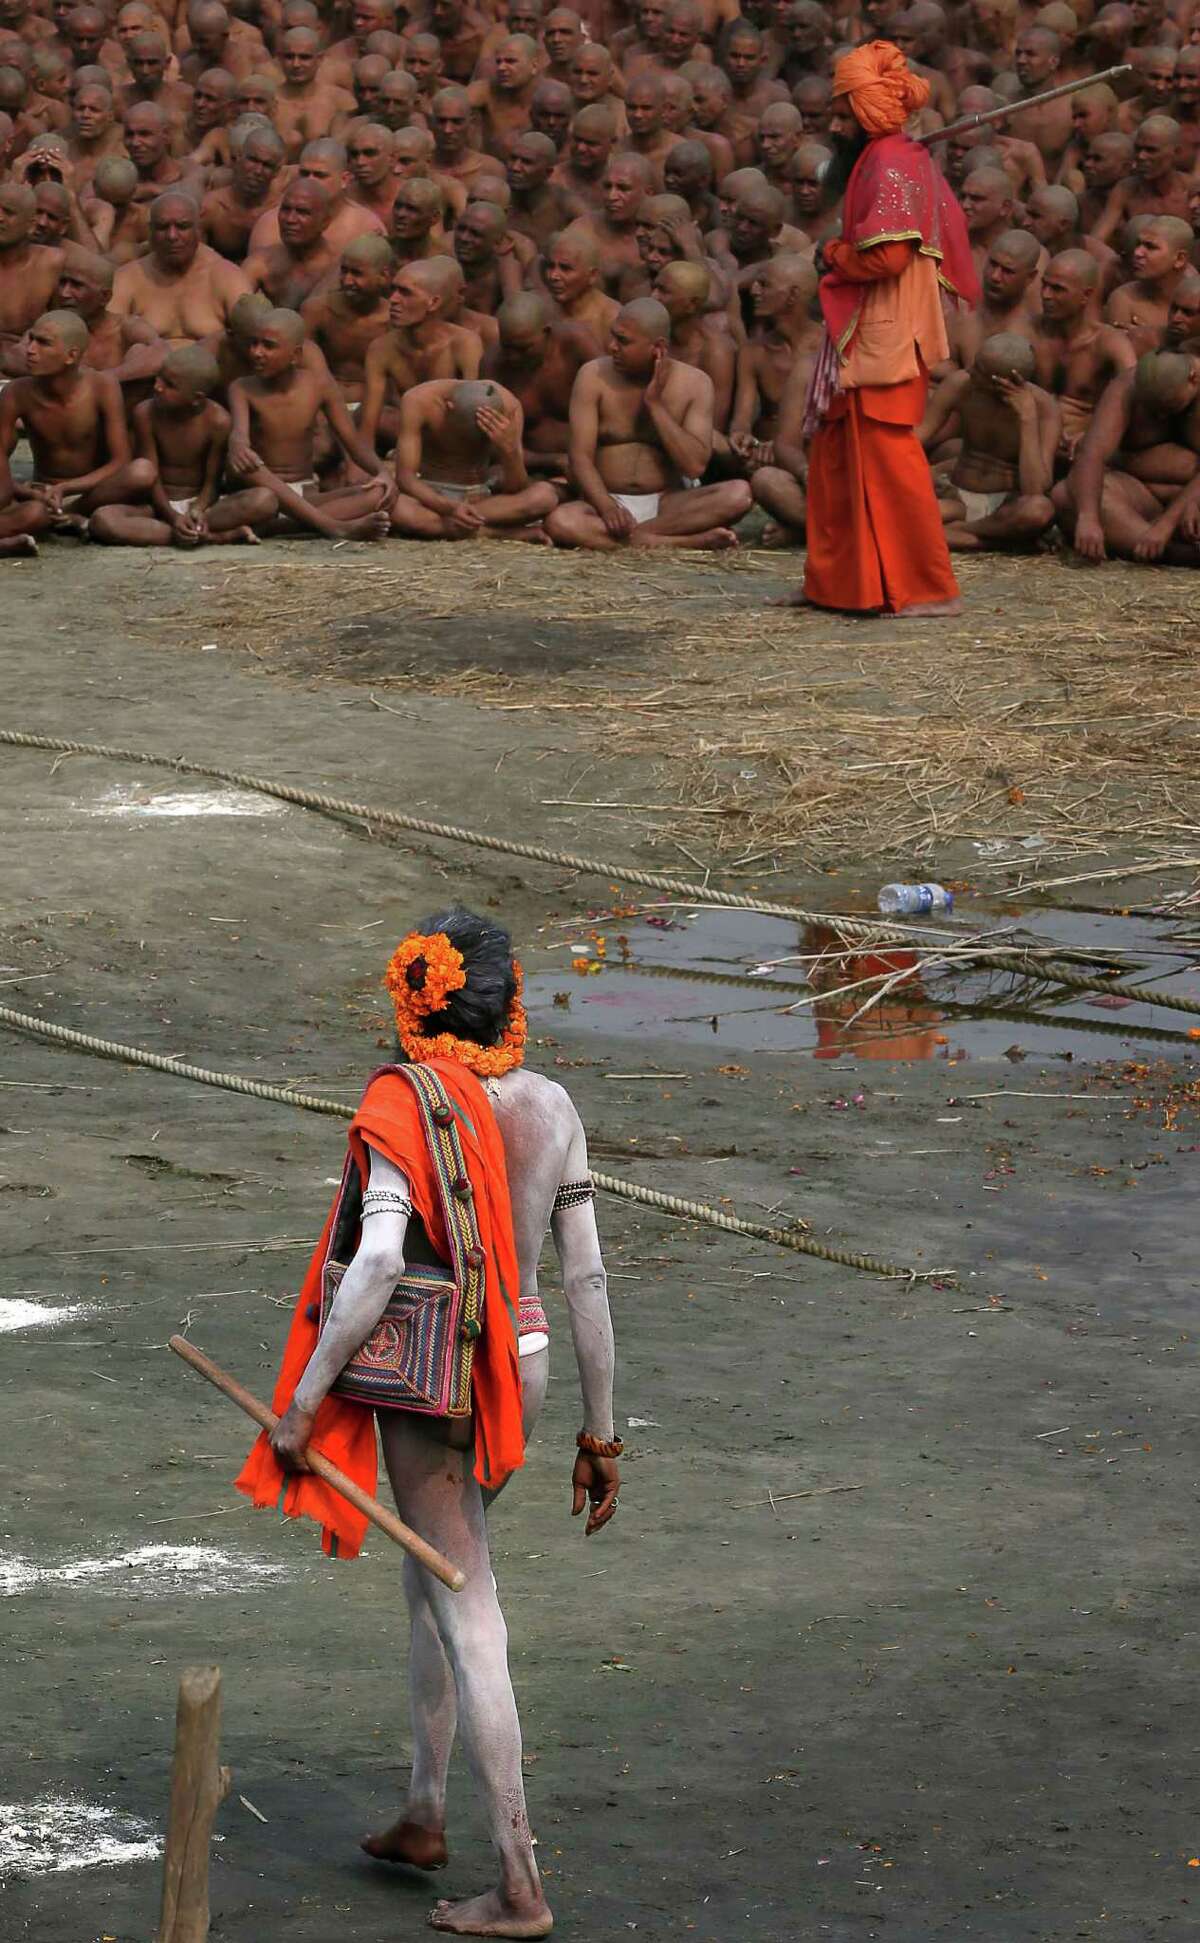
[[946, 1699]]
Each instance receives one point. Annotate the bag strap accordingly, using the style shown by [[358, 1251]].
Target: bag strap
[[439, 1121]]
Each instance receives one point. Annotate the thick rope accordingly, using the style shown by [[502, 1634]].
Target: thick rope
[[1047, 969], [313, 1103]]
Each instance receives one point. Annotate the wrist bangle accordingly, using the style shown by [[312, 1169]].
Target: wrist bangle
[[599, 1446]]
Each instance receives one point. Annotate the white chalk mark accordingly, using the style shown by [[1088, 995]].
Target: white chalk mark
[[15, 1313], [57, 1832], [127, 799], [149, 1571]]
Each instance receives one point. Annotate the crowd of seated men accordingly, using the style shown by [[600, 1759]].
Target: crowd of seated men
[[550, 273]]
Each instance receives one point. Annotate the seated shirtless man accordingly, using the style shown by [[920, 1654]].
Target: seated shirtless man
[[1161, 256], [1076, 354], [779, 355], [570, 272], [75, 423], [1129, 491], [538, 359], [697, 337], [29, 271], [460, 472], [126, 346], [182, 434], [272, 442], [998, 493], [290, 270], [641, 429], [182, 289], [418, 347], [346, 313]]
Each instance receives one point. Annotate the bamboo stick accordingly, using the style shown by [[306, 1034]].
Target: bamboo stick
[[199, 1784], [387, 1521], [987, 115]]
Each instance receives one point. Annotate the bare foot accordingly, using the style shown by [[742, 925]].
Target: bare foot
[[797, 598], [408, 1842], [775, 537], [717, 539], [372, 526], [922, 609], [492, 1915], [22, 545], [535, 535], [72, 523], [242, 536]]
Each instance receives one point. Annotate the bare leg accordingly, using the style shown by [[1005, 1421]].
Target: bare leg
[[22, 518], [436, 1492], [702, 516], [513, 511], [358, 515], [239, 516], [781, 495], [1017, 523], [129, 526], [418, 1837], [130, 483]]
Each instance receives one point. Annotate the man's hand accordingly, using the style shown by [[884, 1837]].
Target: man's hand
[[597, 1478], [1155, 540], [501, 427], [618, 520], [189, 528], [1089, 537], [289, 1439], [1017, 396], [655, 390], [465, 517], [242, 457]]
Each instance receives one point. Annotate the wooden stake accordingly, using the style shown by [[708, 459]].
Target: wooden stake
[[387, 1521], [199, 1784]]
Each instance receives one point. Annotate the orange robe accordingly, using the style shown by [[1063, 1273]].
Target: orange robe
[[875, 536], [388, 1120]]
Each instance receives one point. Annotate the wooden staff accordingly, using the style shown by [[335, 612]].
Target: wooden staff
[[387, 1521], [987, 115]]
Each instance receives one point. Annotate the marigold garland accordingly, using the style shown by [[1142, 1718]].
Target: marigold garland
[[422, 974]]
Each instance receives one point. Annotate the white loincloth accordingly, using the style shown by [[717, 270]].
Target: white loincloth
[[981, 505], [642, 506]]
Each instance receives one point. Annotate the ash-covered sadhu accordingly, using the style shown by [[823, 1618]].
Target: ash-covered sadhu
[[875, 538], [421, 1309]]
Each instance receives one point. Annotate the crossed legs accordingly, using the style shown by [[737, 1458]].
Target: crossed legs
[[458, 1674]]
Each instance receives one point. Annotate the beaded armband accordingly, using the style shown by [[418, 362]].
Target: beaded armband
[[381, 1201], [571, 1193]]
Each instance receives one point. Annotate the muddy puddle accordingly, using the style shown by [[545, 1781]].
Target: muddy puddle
[[670, 989]]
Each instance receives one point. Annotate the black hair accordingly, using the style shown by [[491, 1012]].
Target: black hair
[[479, 1011]]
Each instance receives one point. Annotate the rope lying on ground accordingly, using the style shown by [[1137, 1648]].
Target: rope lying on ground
[[611, 1184], [878, 932]]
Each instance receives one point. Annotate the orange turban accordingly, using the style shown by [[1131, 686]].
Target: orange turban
[[882, 89]]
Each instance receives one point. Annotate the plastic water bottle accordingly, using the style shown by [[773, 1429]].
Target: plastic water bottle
[[915, 900]]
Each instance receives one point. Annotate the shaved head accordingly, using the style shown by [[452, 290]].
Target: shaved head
[[68, 327], [289, 323], [1077, 264], [374, 251], [1163, 378], [690, 281], [524, 312], [193, 369], [1005, 356], [1020, 246], [650, 317]]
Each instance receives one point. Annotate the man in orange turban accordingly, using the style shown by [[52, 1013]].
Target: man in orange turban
[[875, 540]]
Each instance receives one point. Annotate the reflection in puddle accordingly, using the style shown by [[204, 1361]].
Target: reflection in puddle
[[989, 1015]]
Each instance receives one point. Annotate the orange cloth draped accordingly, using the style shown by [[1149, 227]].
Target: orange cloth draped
[[875, 537], [388, 1120]]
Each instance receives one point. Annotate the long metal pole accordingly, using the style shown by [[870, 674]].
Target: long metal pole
[[987, 115]]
